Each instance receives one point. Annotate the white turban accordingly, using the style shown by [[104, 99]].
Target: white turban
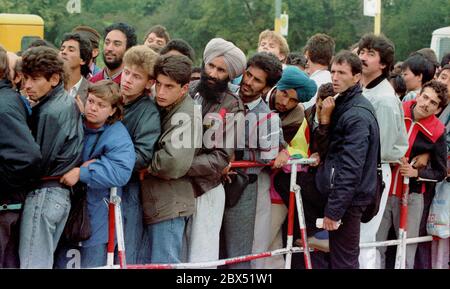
[[234, 57]]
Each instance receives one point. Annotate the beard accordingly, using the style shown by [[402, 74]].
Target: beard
[[210, 90], [116, 63]]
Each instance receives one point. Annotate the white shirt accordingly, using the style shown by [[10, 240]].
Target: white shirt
[[74, 90], [253, 104], [320, 77]]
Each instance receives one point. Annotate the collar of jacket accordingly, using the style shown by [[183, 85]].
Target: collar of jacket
[[376, 81], [54, 92], [431, 126], [167, 109], [89, 130], [133, 102], [344, 99], [5, 83]]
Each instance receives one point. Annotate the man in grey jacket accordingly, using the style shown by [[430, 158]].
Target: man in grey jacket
[[377, 57], [57, 128], [246, 225], [167, 193]]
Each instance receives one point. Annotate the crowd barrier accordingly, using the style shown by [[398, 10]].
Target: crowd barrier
[[295, 199]]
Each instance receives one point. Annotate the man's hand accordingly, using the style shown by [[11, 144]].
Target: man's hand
[[87, 163], [226, 169], [326, 111], [407, 170], [71, 177], [315, 156], [281, 159], [79, 103], [330, 225], [421, 161]]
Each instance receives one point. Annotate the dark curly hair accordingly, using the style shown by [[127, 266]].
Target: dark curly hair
[[270, 64], [42, 61], [296, 58], [383, 46], [126, 29], [85, 50], [440, 89], [325, 90]]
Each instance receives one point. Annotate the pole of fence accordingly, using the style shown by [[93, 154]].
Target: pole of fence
[[400, 258], [111, 230], [115, 223], [290, 234], [301, 219], [119, 229]]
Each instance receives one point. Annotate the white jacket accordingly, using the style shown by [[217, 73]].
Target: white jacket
[[390, 116]]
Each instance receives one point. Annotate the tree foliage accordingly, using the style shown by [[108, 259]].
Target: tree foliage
[[409, 23]]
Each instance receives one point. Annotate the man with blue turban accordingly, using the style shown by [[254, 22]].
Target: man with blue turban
[[293, 88]]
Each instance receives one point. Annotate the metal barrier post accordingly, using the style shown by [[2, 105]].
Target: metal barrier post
[[111, 230], [115, 200], [301, 219], [400, 258], [290, 234]]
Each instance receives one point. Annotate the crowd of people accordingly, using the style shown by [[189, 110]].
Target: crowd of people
[[166, 133]]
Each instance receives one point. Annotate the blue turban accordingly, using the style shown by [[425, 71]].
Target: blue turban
[[294, 78]]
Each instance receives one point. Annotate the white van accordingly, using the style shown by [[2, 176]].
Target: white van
[[440, 42]]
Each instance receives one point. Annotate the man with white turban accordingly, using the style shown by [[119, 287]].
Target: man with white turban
[[222, 61]]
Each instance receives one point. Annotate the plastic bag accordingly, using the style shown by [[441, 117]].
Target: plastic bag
[[438, 223]]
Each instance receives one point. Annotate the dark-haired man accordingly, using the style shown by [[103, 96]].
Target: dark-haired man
[[168, 190], [263, 136], [20, 159], [376, 53], [76, 52], [57, 128], [426, 135], [94, 37], [318, 51], [347, 175], [416, 71], [119, 37]]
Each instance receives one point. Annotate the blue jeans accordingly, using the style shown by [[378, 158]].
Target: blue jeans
[[76, 257], [44, 217], [132, 222], [166, 240]]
